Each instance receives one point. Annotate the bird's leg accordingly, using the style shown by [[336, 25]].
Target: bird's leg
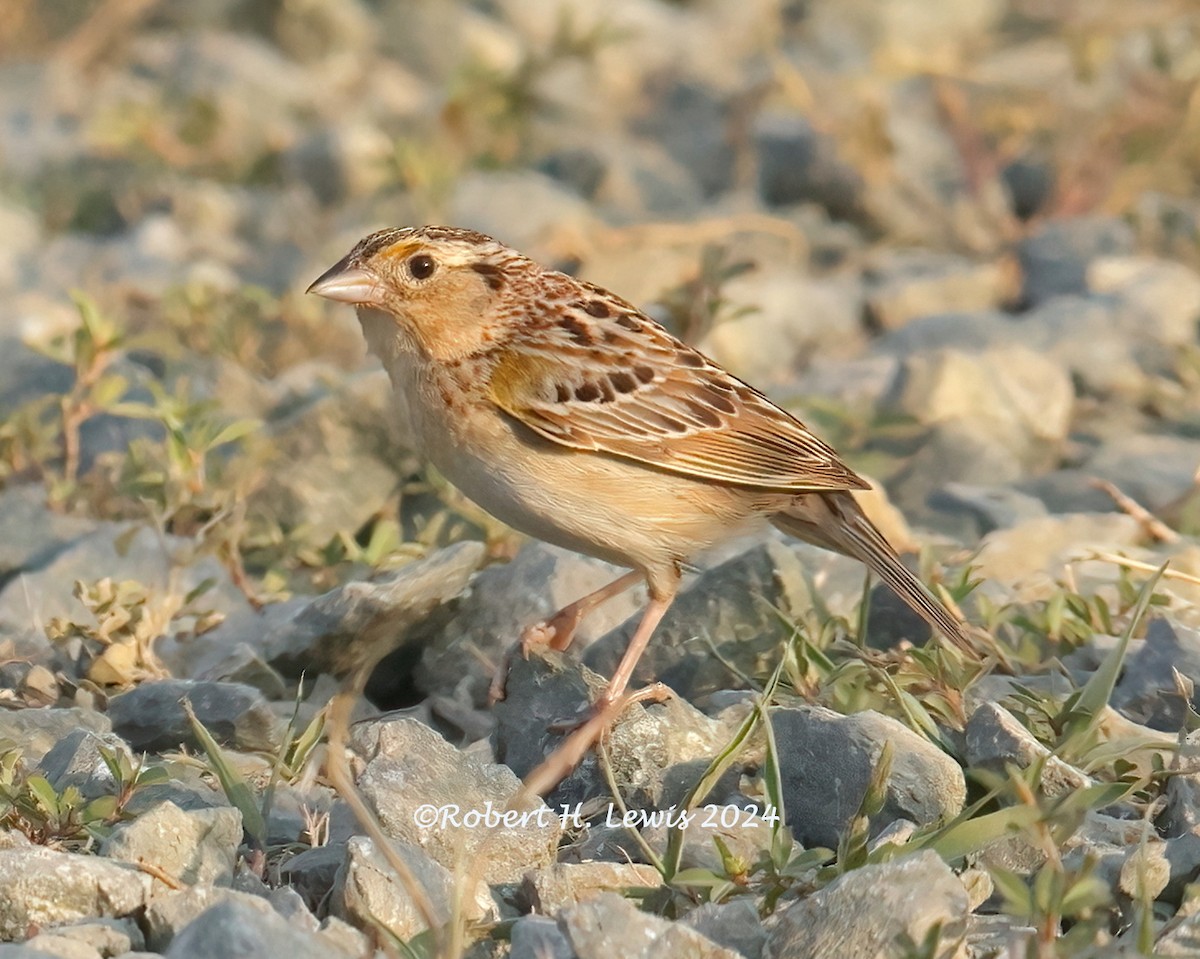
[[558, 631], [637, 645], [613, 700], [558, 765]]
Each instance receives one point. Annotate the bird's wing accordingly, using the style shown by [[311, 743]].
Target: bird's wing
[[599, 375]]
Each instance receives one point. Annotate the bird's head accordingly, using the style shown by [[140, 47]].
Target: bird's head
[[438, 285]]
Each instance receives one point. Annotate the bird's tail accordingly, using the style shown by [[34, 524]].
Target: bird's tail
[[835, 521]]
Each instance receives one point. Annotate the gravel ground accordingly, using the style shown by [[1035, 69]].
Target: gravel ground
[[961, 240]]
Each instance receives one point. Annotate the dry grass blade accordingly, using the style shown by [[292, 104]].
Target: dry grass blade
[[558, 765], [1154, 526], [233, 784], [96, 35], [1140, 565], [337, 770]]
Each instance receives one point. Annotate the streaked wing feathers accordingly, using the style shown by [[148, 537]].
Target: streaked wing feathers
[[620, 384]]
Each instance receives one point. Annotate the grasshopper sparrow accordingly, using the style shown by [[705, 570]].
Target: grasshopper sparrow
[[572, 416]]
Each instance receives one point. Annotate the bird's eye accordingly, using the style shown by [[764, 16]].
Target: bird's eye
[[421, 266]]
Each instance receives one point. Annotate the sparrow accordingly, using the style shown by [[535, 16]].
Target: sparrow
[[572, 416]]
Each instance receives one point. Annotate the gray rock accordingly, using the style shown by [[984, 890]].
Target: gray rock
[[30, 533], [1012, 392], [151, 716], [186, 788], [798, 164], [233, 928], [1030, 184], [369, 893], [581, 168], [26, 375], [926, 166], [734, 924], [1066, 491], [1183, 859], [1026, 552], [77, 760], [243, 663], [856, 383], [1055, 258], [60, 947], [1156, 471], [1184, 939], [747, 839], [766, 339], [37, 731], [408, 766], [907, 284], [120, 551], [40, 887], [550, 889], [692, 122], [100, 937], [827, 761], [965, 332], [642, 179], [733, 608], [519, 207], [339, 460], [359, 622], [168, 914], [995, 739], [22, 230], [602, 843], [1159, 298], [1147, 691], [290, 904], [849, 38], [982, 509], [655, 753], [956, 451], [503, 600], [314, 872], [612, 926], [998, 936], [1097, 339], [293, 807], [341, 162], [191, 847], [1182, 814], [536, 937], [342, 937], [867, 911], [234, 650]]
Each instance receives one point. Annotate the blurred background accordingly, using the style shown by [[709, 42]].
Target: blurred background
[[958, 236]]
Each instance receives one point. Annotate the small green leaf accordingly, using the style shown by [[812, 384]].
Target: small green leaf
[[199, 590], [100, 809], [43, 794], [1013, 888], [235, 787], [234, 431]]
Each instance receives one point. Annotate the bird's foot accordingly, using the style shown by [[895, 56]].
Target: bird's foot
[[612, 707], [553, 633], [598, 717], [537, 636]]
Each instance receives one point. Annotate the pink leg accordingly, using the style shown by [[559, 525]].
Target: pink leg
[[558, 631], [612, 701], [558, 765], [637, 645]]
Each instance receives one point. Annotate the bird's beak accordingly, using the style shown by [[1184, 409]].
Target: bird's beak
[[347, 284]]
